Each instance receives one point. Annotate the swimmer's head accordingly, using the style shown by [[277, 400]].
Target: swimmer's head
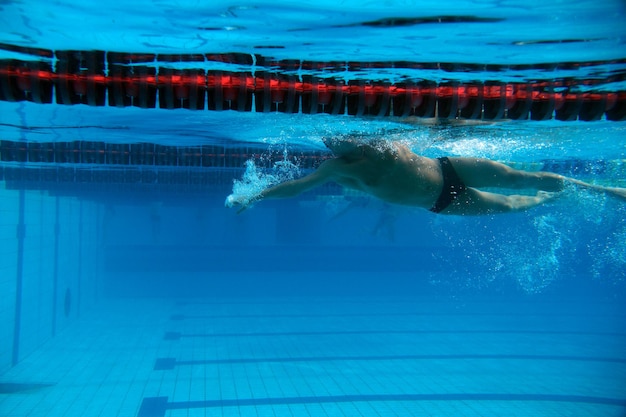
[[342, 146], [356, 147]]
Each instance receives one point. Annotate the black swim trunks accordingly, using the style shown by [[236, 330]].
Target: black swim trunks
[[452, 186]]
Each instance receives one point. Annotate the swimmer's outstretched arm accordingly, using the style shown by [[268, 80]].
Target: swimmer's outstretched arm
[[326, 172]]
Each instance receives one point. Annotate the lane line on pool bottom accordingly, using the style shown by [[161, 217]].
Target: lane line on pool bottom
[[178, 335], [165, 364], [158, 406]]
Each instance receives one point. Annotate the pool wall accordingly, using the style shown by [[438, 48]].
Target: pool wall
[[49, 269]]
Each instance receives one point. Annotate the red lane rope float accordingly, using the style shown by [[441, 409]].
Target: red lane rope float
[[84, 82]]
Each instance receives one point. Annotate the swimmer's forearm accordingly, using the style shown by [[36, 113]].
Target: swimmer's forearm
[[285, 190], [296, 187]]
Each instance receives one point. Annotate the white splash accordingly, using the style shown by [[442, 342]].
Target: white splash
[[247, 190]]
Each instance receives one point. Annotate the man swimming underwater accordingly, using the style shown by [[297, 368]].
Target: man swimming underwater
[[447, 185]]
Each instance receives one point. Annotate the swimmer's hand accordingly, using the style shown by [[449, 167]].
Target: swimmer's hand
[[238, 200]]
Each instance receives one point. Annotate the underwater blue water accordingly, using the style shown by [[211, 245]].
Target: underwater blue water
[[332, 303]]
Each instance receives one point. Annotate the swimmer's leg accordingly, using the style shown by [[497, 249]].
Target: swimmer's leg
[[473, 202], [617, 192], [480, 172]]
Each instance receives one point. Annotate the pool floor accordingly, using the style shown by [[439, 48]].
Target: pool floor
[[392, 356]]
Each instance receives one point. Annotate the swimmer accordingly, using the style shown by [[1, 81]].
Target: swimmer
[[391, 172]]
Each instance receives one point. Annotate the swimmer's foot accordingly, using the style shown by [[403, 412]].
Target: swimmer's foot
[[524, 202], [620, 193], [545, 196]]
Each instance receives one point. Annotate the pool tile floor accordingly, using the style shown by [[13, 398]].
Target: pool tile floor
[[326, 357]]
